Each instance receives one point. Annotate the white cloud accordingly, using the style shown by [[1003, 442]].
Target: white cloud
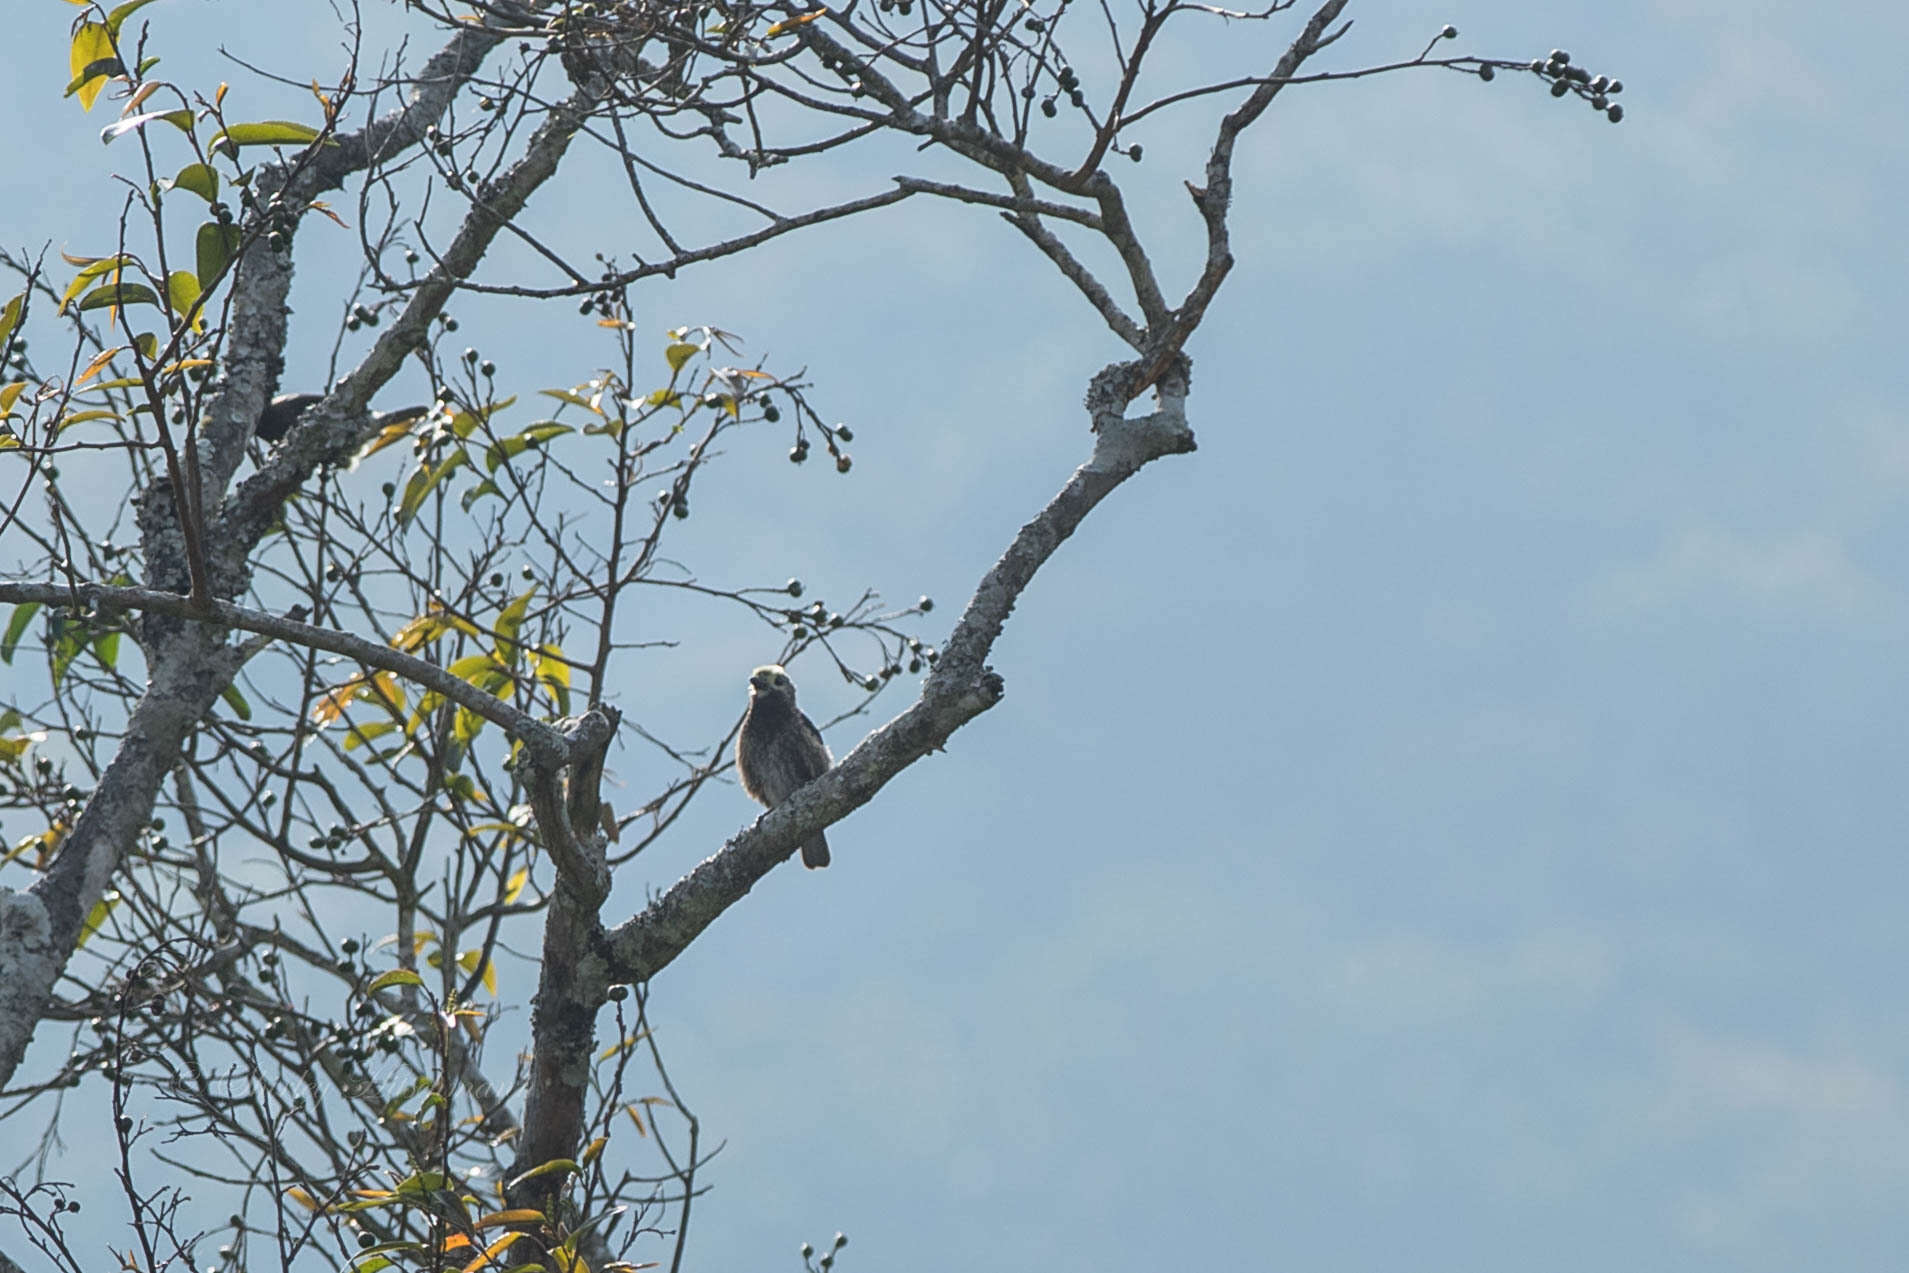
[[1810, 1133], [1715, 1075], [1807, 575]]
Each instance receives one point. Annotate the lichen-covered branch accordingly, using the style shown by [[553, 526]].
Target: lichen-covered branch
[[960, 688]]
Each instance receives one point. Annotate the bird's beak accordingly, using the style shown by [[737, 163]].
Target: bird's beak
[[758, 683]]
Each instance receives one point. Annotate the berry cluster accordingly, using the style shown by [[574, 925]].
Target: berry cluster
[[1566, 77]]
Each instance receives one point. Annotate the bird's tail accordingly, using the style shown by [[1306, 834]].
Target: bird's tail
[[816, 852]]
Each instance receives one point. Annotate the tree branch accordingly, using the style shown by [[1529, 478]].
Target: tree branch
[[539, 737], [960, 688]]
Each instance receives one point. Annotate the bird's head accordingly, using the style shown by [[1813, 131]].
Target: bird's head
[[771, 679]]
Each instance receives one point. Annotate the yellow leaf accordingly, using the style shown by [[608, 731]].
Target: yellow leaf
[[98, 365], [545, 1169], [574, 398], [302, 1198], [466, 726], [91, 60], [516, 1215], [552, 671], [81, 417], [472, 960], [679, 353], [11, 749], [396, 977], [594, 1148], [789, 24], [428, 626], [10, 316], [386, 688], [90, 269], [495, 1249], [512, 616], [358, 735], [97, 916], [182, 294], [623, 1045], [390, 435], [481, 670], [332, 705], [515, 885], [637, 1119]]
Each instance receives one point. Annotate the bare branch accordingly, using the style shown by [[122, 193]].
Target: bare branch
[[960, 688]]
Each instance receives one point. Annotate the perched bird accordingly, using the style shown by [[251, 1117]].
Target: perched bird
[[282, 412], [779, 749]]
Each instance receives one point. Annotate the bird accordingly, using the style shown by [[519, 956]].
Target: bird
[[779, 749], [284, 411]]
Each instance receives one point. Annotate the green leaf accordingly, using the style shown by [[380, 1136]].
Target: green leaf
[[106, 649], [10, 319], [269, 132], [182, 293], [412, 1186], [548, 665], [16, 628], [573, 398], [90, 270], [483, 488], [200, 179], [68, 639], [396, 977], [463, 787], [536, 435], [124, 11], [180, 119], [680, 352], [236, 701], [91, 60], [482, 671], [424, 481], [358, 735], [465, 423], [107, 295], [466, 726], [511, 617], [214, 249]]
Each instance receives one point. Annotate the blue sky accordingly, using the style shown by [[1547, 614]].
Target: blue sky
[[1452, 821]]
